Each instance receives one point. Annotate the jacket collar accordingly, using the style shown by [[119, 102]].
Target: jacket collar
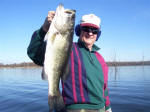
[[82, 44]]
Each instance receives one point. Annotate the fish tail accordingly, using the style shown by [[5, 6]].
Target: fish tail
[[55, 103]]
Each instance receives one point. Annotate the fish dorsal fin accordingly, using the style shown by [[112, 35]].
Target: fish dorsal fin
[[44, 76]]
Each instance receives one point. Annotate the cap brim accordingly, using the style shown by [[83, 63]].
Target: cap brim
[[89, 24]]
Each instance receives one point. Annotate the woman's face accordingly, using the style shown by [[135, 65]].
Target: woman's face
[[88, 35]]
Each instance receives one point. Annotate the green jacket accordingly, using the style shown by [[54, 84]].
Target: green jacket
[[87, 83]]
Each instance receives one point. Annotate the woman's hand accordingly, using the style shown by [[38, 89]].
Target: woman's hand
[[48, 20]]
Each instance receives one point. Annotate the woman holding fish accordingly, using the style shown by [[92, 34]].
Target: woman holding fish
[[85, 73]]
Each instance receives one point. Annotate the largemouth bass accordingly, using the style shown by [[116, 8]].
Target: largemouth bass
[[59, 40]]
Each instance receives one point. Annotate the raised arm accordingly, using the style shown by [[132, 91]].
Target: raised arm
[[37, 46]]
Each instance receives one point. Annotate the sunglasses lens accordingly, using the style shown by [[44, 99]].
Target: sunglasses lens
[[95, 31], [90, 29]]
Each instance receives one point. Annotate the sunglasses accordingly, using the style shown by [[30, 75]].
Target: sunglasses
[[90, 29]]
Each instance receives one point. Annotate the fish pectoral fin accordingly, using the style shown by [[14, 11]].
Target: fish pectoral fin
[[56, 34], [44, 76], [53, 37]]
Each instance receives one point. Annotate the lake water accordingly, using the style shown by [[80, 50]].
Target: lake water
[[23, 90]]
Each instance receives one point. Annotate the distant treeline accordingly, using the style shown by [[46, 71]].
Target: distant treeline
[[131, 63], [30, 64], [24, 64]]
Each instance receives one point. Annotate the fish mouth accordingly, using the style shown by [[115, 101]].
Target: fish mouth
[[70, 11]]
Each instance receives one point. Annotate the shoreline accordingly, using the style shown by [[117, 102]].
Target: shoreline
[[31, 64]]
